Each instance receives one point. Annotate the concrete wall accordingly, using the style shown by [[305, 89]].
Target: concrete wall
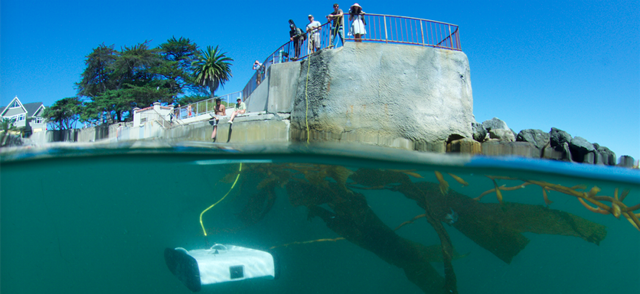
[[258, 100], [283, 86], [408, 97], [260, 129]]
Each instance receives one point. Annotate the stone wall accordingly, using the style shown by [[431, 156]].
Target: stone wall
[[407, 97]]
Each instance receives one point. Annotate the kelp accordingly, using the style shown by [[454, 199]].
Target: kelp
[[330, 193]]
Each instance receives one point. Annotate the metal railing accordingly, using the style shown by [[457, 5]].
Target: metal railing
[[379, 28], [204, 106]]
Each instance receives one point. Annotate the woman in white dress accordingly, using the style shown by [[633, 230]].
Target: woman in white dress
[[356, 16]]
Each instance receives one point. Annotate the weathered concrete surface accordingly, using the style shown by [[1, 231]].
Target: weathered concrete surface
[[258, 99], [283, 85], [414, 97], [257, 128]]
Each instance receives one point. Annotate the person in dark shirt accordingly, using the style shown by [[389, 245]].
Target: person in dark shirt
[[336, 29], [296, 35]]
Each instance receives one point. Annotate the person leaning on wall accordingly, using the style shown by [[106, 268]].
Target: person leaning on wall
[[313, 29], [297, 36], [336, 17], [356, 16]]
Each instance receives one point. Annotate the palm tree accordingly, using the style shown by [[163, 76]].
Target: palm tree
[[212, 68]]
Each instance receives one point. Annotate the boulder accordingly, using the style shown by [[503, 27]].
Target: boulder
[[502, 135], [551, 153], [495, 123], [558, 137], [598, 159], [589, 158], [479, 132], [566, 152], [608, 156], [536, 137], [626, 161], [580, 147]]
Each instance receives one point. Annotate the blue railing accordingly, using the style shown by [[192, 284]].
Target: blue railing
[[379, 29]]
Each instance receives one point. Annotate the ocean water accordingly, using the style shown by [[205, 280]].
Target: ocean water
[[97, 220]]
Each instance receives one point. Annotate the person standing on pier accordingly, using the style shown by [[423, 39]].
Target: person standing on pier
[[336, 29], [313, 29], [297, 36], [356, 16]]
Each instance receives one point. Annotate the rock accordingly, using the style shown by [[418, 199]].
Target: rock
[[466, 146], [551, 153], [502, 135], [599, 159], [608, 156], [589, 158], [537, 137], [626, 161], [524, 149], [479, 132], [495, 123], [579, 148], [566, 152], [558, 137]]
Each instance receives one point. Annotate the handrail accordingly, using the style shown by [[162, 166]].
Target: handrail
[[204, 106], [379, 28]]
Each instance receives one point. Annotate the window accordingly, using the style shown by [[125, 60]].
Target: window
[[14, 104], [38, 120], [21, 117]]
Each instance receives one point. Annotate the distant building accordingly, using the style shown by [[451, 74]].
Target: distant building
[[156, 113], [18, 114]]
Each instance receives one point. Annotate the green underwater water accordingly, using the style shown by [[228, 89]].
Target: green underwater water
[[97, 221]]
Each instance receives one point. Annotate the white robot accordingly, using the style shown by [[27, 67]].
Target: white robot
[[219, 264]]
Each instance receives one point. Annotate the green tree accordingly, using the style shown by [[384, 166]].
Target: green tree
[[212, 68], [7, 126], [97, 76], [64, 113], [179, 54]]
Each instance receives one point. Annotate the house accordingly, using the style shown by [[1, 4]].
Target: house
[[155, 113], [18, 114]]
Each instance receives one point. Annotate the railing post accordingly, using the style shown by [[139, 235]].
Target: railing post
[[422, 33], [450, 38], [384, 18]]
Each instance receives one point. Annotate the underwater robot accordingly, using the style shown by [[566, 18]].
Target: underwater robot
[[219, 264]]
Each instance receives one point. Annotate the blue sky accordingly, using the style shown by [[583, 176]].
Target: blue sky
[[574, 65]]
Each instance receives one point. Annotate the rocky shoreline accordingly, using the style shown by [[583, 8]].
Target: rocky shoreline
[[497, 138]]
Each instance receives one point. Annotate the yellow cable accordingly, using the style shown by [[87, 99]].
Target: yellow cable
[[306, 99], [223, 197]]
